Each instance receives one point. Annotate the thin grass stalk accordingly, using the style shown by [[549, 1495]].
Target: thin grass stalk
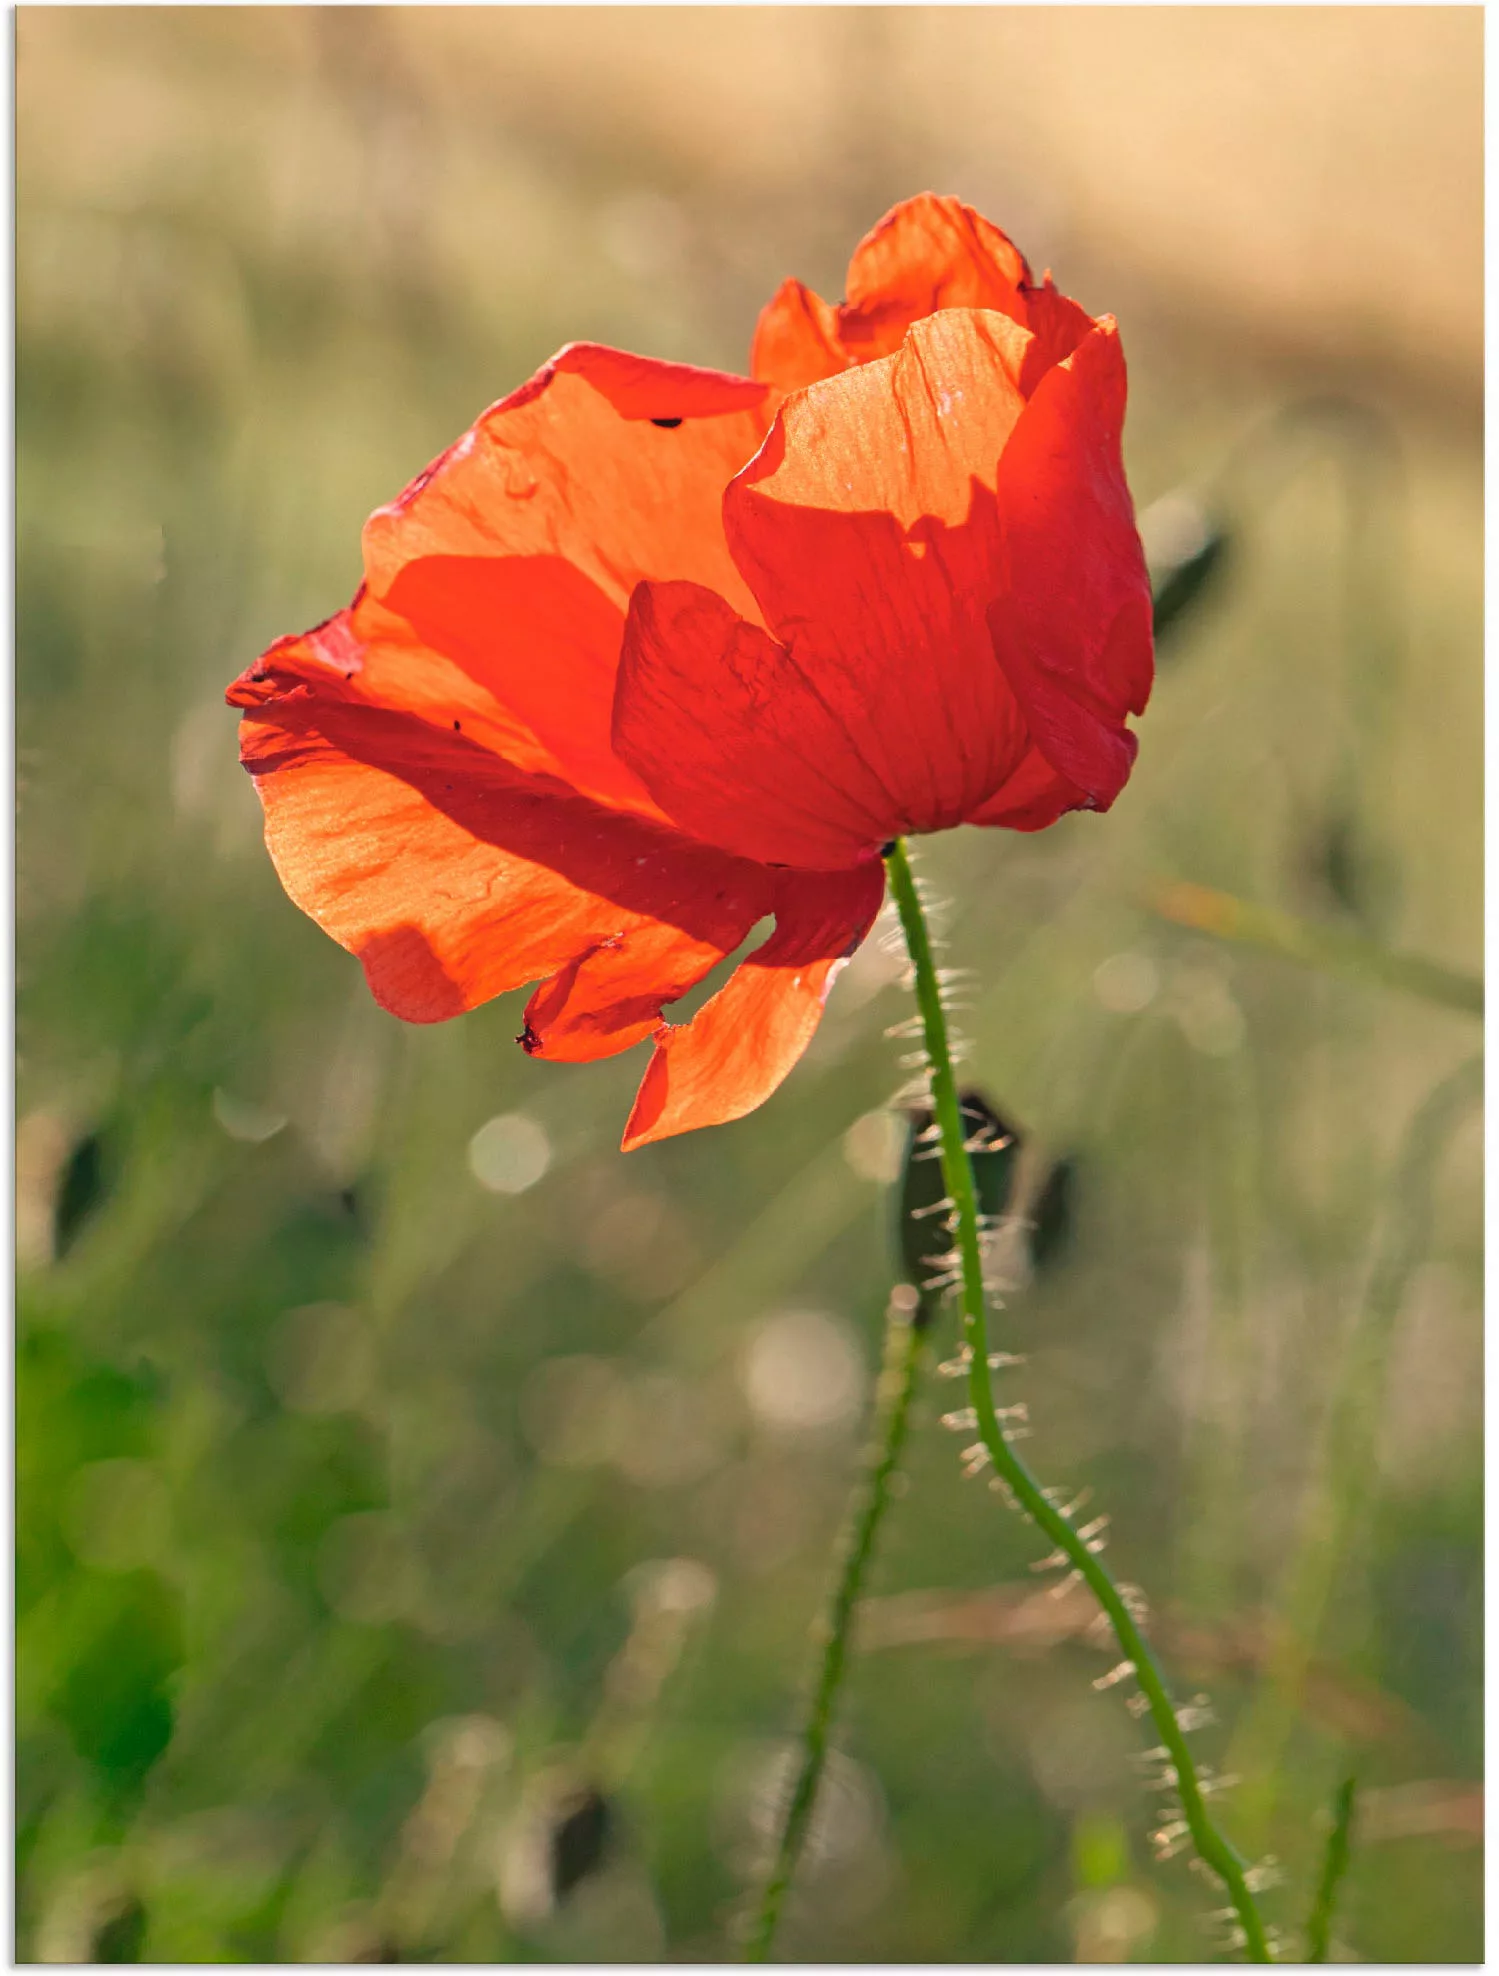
[[897, 1384], [1327, 948], [1334, 1866], [1338, 1492], [1209, 1843]]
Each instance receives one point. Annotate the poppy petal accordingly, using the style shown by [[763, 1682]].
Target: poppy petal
[[867, 530], [742, 1044], [514, 554], [796, 339], [1072, 624], [927, 253], [1035, 796], [455, 877], [369, 656], [612, 995], [734, 742], [1058, 325]]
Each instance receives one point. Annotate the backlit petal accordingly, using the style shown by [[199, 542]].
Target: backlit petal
[[1072, 624], [928, 253], [796, 339], [515, 553], [866, 527], [737, 745], [454, 877], [1033, 797], [612, 995], [741, 1044], [369, 656]]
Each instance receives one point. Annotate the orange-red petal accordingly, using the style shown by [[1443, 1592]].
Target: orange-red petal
[[1033, 797], [927, 253], [867, 529], [734, 740], [742, 1044], [454, 876], [1071, 623], [369, 656], [514, 555], [796, 339], [611, 995]]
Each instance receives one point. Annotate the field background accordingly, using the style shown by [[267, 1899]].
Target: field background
[[422, 1505]]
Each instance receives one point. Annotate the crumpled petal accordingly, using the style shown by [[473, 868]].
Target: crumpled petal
[[868, 531], [454, 876], [926, 254], [796, 339], [514, 554], [612, 994], [743, 1043], [1071, 624]]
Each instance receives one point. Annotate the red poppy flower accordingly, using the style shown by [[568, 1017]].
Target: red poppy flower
[[654, 652]]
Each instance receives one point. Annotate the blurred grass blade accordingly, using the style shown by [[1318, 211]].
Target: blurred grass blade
[[1334, 1866], [1206, 910], [905, 1331], [1347, 1455]]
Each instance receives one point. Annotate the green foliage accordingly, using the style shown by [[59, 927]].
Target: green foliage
[[1334, 1866]]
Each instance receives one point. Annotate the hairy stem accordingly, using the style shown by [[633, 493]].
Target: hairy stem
[[1211, 1847], [903, 1340]]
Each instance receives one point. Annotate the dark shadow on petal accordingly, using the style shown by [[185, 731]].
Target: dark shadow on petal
[[644, 867], [403, 971]]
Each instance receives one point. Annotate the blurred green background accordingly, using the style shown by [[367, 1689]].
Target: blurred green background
[[423, 1508]]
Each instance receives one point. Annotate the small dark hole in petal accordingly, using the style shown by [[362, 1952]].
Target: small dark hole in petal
[[457, 727], [668, 423]]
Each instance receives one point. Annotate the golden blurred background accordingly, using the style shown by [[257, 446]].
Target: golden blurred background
[[423, 1507]]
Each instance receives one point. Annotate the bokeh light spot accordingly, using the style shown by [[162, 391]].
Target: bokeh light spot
[[875, 1145], [509, 1154], [1126, 983], [802, 1371], [242, 1119]]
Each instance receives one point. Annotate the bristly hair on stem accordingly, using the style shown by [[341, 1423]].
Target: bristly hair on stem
[[1195, 1825]]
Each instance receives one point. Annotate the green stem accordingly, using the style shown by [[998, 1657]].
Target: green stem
[[903, 1340], [1334, 1866], [1211, 1847]]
